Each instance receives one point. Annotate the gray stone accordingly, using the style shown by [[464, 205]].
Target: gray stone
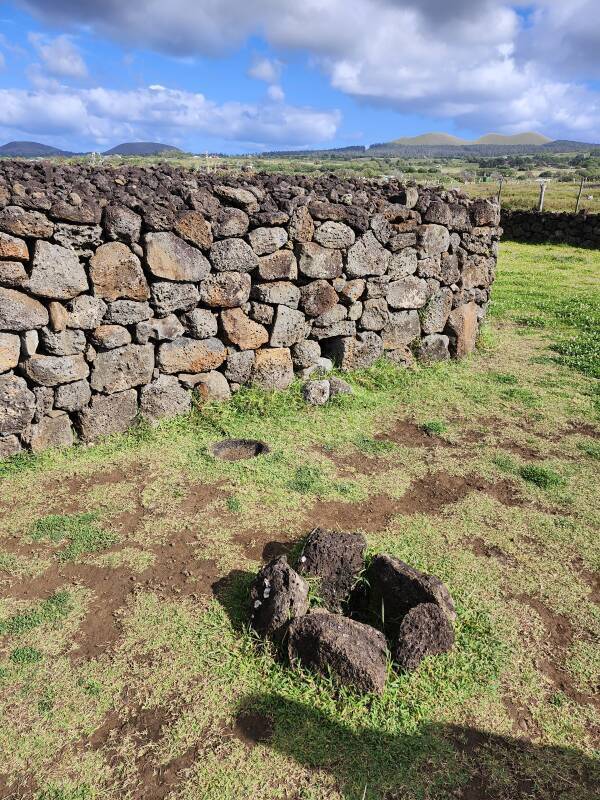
[[59, 316], [435, 314], [54, 370], [261, 312], [377, 287], [12, 274], [381, 228], [171, 257], [355, 352], [402, 240], [30, 341], [9, 446], [83, 239], [200, 323], [164, 397], [317, 297], [339, 386], [107, 414], [403, 263], [85, 312], [123, 368], [277, 596], [334, 235], [233, 255], [44, 401], [409, 292], [73, 396], [226, 290], [353, 290], [375, 314], [267, 240], [367, 257], [316, 393], [319, 262], [281, 265], [18, 312], [17, 405], [50, 432], [424, 631], [306, 354], [168, 297], [318, 370], [65, 343], [301, 227], [439, 213], [335, 314], [355, 311], [237, 197], [434, 348], [126, 312], [30, 224], [56, 272], [449, 270], [238, 367], [333, 645], [230, 222], [116, 273], [212, 387], [276, 293], [122, 223], [433, 239], [336, 559], [273, 368], [10, 351], [166, 328], [402, 328], [408, 196], [430, 267], [191, 355], [343, 328], [484, 212], [289, 328], [402, 357], [107, 337]]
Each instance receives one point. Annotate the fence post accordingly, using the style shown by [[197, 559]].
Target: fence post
[[500, 183], [579, 196], [542, 193]]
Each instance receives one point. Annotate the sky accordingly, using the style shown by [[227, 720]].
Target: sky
[[239, 76]]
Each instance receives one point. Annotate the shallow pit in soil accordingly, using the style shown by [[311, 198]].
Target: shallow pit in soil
[[238, 449]]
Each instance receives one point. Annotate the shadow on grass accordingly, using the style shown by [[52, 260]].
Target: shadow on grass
[[437, 761]]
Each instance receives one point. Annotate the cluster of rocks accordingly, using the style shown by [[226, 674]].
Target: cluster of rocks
[[581, 230], [367, 616], [123, 292]]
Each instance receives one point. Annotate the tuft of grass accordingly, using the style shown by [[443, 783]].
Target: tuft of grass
[[81, 531], [366, 444], [234, 505], [505, 378], [434, 427], [25, 655], [308, 480], [591, 449], [52, 610], [543, 477]]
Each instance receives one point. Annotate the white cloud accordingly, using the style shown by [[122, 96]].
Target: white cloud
[[59, 56], [105, 115], [479, 62], [2, 61], [265, 69], [276, 93]]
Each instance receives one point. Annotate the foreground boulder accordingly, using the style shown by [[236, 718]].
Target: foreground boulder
[[395, 588], [424, 631], [337, 559], [278, 595], [354, 653]]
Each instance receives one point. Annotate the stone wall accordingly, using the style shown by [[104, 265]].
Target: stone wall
[[582, 230], [123, 292]]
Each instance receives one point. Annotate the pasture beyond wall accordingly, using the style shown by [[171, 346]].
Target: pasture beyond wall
[[581, 230], [124, 291]]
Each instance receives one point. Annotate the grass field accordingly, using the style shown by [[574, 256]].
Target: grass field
[[126, 668]]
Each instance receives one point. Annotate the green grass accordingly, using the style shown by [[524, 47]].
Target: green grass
[[25, 655], [434, 427], [49, 611], [81, 532], [543, 477]]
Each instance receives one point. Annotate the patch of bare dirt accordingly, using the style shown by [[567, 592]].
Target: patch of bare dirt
[[371, 515], [521, 717], [252, 727], [590, 577], [201, 495], [409, 434], [258, 545], [348, 464], [582, 428], [431, 493], [484, 550]]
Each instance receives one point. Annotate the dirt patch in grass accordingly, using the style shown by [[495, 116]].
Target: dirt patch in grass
[[431, 493], [201, 495], [348, 464], [252, 727], [582, 428], [480, 548], [371, 515], [521, 717], [590, 577], [407, 433]]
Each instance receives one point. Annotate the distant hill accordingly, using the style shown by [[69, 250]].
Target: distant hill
[[31, 150], [430, 139], [517, 138], [142, 149]]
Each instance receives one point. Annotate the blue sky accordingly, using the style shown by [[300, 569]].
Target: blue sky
[[232, 76]]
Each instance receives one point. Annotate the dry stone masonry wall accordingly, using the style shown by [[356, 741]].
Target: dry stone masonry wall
[[124, 291], [581, 230]]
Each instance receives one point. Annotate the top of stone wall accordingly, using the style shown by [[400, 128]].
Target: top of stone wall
[[78, 193]]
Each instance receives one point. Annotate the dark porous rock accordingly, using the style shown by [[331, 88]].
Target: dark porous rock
[[227, 289], [319, 262], [337, 559], [278, 595], [395, 588], [317, 297], [316, 393], [107, 414], [233, 255], [354, 653], [17, 405], [434, 348], [354, 352], [19, 312], [122, 223], [424, 631], [339, 386], [164, 397]]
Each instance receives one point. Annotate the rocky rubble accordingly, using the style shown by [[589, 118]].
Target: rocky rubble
[[357, 618], [123, 291]]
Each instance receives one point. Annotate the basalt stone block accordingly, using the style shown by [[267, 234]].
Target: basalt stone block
[[353, 216], [302, 226], [336, 558], [72, 396], [54, 370], [107, 414], [191, 355], [401, 329], [64, 343], [278, 595], [85, 312], [281, 265], [277, 293], [126, 312], [56, 273], [30, 224], [367, 257], [240, 330], [192, 227], [10, 351], [290, 327], [438, 213], [261, 312], [381, 228], [354, 352], [51, 431], [335, 314], [212, 387], [433, 239], [13, 249], [9, 446], [317, 297], [164, 397], [237, 197], [408, 196], [168, 297], [316, 261], [337, 329], [273, 368], [355, 654], [403, 263], [79, 213], [164, 329], [334, 235], [339, 386], [316, 393], [227, 290], [12, 274], [230, 222], [267, 240], [233, 255], [122, 368], [462, 328], [435, 314], [17, 405], [200, 323], [409, 292], [108, 337], [484, 212], [375, 315], [424, 631], [83, 239], [122, 223], [434, 348], [238, 367], [170, 257], [306, 354], [116, 273]]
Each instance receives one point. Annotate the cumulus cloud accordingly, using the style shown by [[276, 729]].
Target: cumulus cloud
[[483, 63], [265, 69], [104, 115], [60, 57]]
